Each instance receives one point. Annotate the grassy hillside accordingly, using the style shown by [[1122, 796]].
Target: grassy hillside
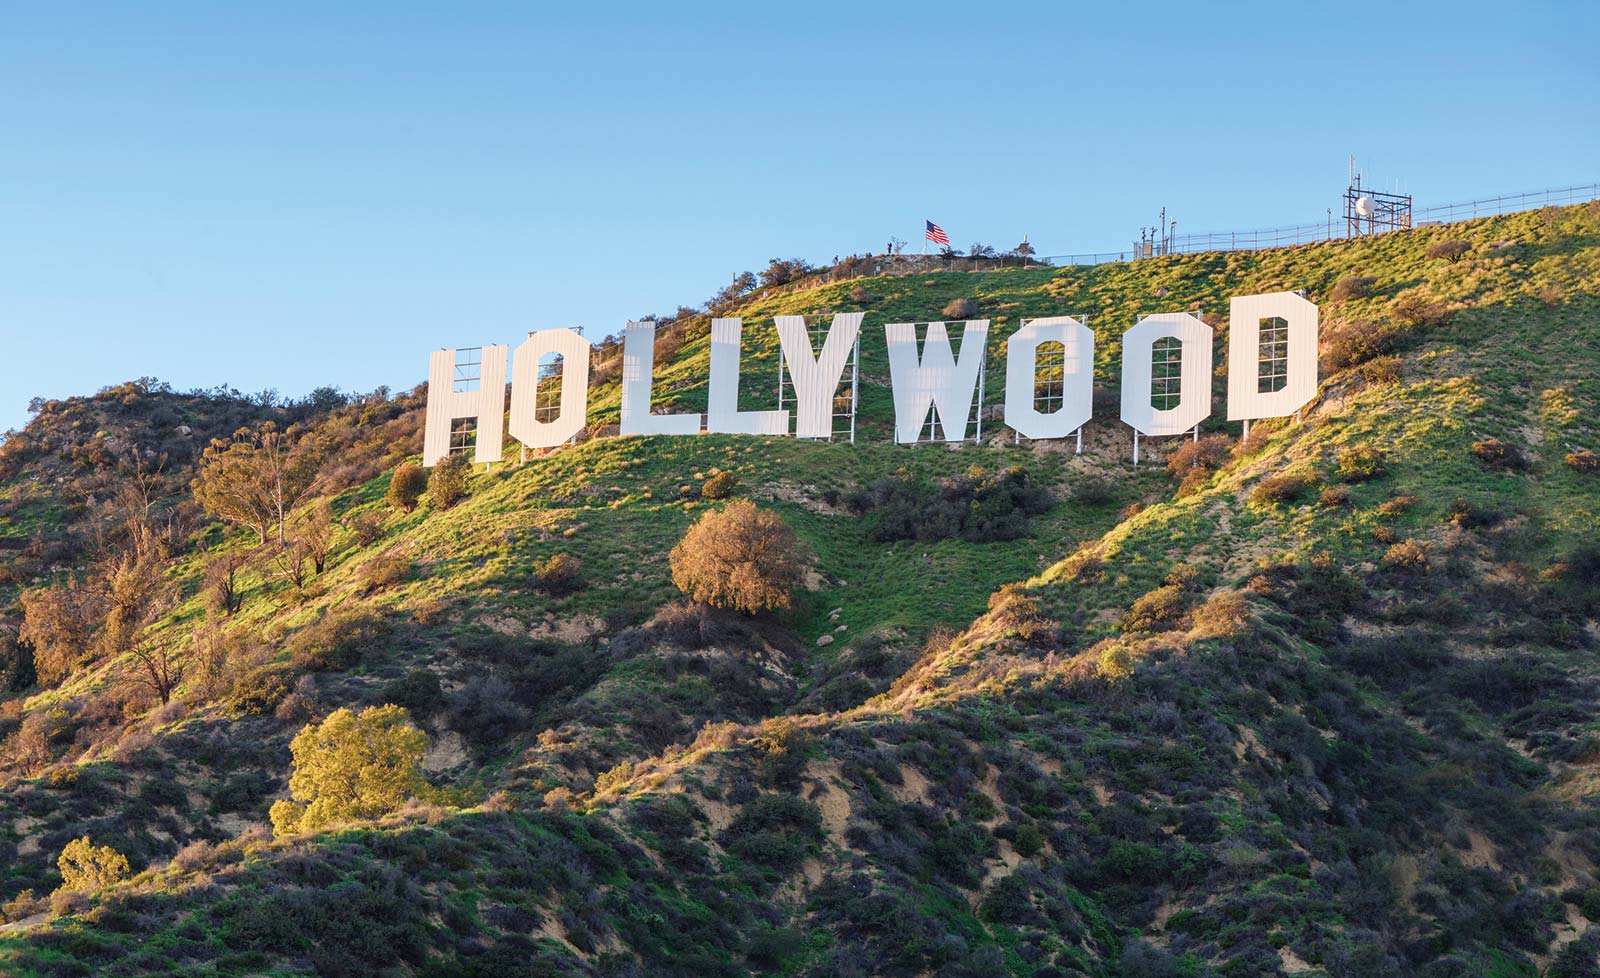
[[1321, 701]]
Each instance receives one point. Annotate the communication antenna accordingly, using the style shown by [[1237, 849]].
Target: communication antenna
[[1368, 211]]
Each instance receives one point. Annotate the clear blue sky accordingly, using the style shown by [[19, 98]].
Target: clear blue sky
[[286, 195]]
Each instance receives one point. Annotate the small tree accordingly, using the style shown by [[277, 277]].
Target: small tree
[[366, 526], [85, 866], [289, 561], [137, 594], [58, 621], [255, 478], [223, 589], [740, 557], [156, 669], [406, 486], [448, 483], [313, 531], [352, 767]]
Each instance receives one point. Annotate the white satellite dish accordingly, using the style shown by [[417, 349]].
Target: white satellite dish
[[1364, 206]]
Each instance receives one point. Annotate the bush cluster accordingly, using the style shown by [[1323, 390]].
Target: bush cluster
[[979, 506], [1356, 343]]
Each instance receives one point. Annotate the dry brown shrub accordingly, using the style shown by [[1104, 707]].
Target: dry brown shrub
[[960, 309], [1352, 287], [1583, 461], [1224, 615], [741, 557], [1407, 555]]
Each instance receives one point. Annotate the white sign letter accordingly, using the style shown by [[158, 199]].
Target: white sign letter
[[479, 393], [1272, 373], [816, 377], [573, 413], [638, 370], [1166, 374], [1077, 377], [722, 399], [937, 380]]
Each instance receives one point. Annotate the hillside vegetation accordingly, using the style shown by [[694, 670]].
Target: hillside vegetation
[[1318, 701]]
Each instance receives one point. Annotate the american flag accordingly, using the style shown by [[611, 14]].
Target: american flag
[[936, 234]]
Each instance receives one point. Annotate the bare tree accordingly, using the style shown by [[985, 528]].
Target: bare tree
[[224, 591], [314, 530], [290, 560], [157, 669]]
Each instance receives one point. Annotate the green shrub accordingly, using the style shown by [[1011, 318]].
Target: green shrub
[[719, 486], [979, 505], [1027, 840], [352, 766], [1359, 463], [1134, 862], [777, 831], [1091, 490], [340, 639], [558, 574], [1156, 609], [419, 691], [447, 485], [86, 867], [260, 691], [406, 486], [1113, 661]]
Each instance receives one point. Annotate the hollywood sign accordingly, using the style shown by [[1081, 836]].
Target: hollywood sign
[[1272, 373]]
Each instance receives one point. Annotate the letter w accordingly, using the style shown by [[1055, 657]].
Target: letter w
[[936, 380]]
